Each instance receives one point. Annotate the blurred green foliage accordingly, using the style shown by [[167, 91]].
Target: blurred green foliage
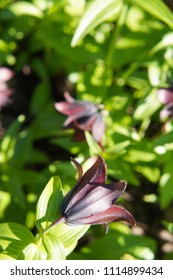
[[117, 53]]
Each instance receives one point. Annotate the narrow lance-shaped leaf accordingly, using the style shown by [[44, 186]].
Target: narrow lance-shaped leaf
[[48, 205], [156, 8], [25, 8], [97, 12]]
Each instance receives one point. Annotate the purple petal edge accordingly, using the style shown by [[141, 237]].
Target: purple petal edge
[[113, 214]]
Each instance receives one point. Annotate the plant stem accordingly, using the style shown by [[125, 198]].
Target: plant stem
[[115, 35], [59, 221], [111, 52]]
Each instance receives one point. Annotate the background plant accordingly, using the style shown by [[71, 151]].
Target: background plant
[[117, 53]]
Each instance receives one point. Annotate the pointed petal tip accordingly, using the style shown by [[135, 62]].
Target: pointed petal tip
[[60, 106], [128, 218], [131, 221], [68, 97], [78, 167]]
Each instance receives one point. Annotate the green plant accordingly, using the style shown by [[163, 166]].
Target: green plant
[[117, 53]]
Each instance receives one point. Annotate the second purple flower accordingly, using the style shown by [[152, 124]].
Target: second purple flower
[[82, 116]]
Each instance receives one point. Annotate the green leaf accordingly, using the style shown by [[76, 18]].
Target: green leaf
[[40, 98], [68, 235], [93, 146], [22, 149], [33, 252], [11, 182], [147, 106], [163, 139], [151, 173], [9, 139], [166, 183], [54, 247], [5, 200], [14, 238], [24, 8], [97, 12], [156, 8], [165, 42], [137, 155], [47, 122], [48, 206], [116, 245], [119, 168]]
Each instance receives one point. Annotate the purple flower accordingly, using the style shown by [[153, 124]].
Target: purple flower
[[82, 116], [92, 201], [5, 92], [165, 95]]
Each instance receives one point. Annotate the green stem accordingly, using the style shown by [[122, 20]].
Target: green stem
[[40, 234], [111, 48], [59, 221]]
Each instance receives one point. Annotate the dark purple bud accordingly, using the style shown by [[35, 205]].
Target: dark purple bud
[[92, 201]]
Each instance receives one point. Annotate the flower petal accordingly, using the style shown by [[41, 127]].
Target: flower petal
[[96, 174], [167, 112], [5, 74], [165, 95], [75, 109], [70, 109], [113, 214], [78, 167], [96, 200], [86, 123], [98, 128], [68, 97]]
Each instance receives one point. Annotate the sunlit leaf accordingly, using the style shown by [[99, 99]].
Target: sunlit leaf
[[116, 245], [147, 106], [48, 205], [166, 183], [25, 8], [14, 238], [93, 146], [33, 252], [9, 139], [151, 173], [5, 200], [166, 41], [156, 8], [135, 155], [68, 235], [54, 247], [22, 149], [97, 12]]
